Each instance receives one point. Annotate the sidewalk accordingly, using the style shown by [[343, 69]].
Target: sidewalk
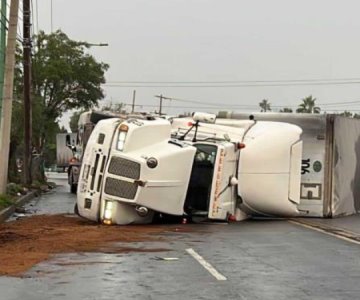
[[7, 212]]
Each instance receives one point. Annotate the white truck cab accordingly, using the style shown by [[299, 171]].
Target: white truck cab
[[136, 168]]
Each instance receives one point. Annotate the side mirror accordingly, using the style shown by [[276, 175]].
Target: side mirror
[[68, 140], [70, 144]]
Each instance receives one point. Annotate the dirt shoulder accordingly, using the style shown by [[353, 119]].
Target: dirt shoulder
[[28, 241]]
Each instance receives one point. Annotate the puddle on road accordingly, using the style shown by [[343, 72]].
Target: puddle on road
[[32, 240]]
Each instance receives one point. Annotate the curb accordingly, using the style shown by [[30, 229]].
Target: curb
[[7, 212], [331, 230]]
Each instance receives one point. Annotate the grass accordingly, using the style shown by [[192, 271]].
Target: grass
[[13, 189], [5, 201]]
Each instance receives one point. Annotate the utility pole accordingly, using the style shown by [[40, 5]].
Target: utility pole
[[161, 97], [8, 95], [133, 102], [27, 92], [2, 49], [160, 104]]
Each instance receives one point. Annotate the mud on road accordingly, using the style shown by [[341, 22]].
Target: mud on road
[[28, 241]]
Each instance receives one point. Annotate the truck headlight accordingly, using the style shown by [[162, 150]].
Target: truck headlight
[[123, 129], [108, 212]]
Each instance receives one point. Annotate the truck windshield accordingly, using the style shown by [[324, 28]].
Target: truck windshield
[[199, 191]]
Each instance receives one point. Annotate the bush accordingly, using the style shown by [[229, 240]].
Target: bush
[[5, 201], [14, 189]]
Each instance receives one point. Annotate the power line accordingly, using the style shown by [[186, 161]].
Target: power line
[[237, 81], [197, 107], [51, 15], [209, 105], [232, 85], [246, 105]]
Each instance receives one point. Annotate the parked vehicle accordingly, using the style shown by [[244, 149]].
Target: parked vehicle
[[63, 153], [135, 169]]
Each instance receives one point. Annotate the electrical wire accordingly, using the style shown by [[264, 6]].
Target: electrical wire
[[233, 85], [209, 105], [237, 81]]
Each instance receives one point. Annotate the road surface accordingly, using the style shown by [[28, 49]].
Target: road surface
[[256, 259]]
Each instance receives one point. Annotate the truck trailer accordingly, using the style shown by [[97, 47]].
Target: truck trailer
[[330, 173], [136, 169]]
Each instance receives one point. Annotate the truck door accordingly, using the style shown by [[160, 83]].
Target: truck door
[[223, 195]]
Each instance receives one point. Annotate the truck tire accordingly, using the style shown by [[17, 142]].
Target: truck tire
[[73, 188]]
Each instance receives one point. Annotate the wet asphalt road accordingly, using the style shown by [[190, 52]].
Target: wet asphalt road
[[263, 259]]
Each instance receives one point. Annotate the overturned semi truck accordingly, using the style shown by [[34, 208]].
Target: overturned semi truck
[[330, 174], [134, 170]]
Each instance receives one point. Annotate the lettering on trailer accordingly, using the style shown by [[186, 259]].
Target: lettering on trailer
[[312, 176], [311, 191], [215, 207], [306, 166]]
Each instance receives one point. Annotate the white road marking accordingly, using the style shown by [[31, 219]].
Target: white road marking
[[326, 232], [205, 264]]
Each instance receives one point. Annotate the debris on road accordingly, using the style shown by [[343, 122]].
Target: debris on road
[[31, 240], [166, 258]]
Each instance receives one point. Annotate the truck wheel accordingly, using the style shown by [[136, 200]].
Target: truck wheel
[[76, 210], [73, 188]]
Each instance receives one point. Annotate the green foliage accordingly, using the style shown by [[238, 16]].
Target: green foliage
[[64, 76], [37, 184], [286, 110], [113, 107], [67, 77], [13, 189], [74, 119], [308, 106], [265, 105], [346, 114], [5, 201]]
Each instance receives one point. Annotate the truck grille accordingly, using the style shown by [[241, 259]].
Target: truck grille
[[120, 188], [125, 168]]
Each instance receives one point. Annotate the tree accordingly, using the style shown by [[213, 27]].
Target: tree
[[308, 106], [346, 114], [74, 120], [265, 105], [286, 110], [64, 77], [113, 107]]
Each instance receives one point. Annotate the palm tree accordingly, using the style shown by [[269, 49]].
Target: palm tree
[[308, 106], [265, 105], [347, 114]]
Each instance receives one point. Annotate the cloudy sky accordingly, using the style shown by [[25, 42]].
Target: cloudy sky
[[167, 43]]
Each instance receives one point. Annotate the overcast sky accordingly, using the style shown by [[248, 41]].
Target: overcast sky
[[208, 40]]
